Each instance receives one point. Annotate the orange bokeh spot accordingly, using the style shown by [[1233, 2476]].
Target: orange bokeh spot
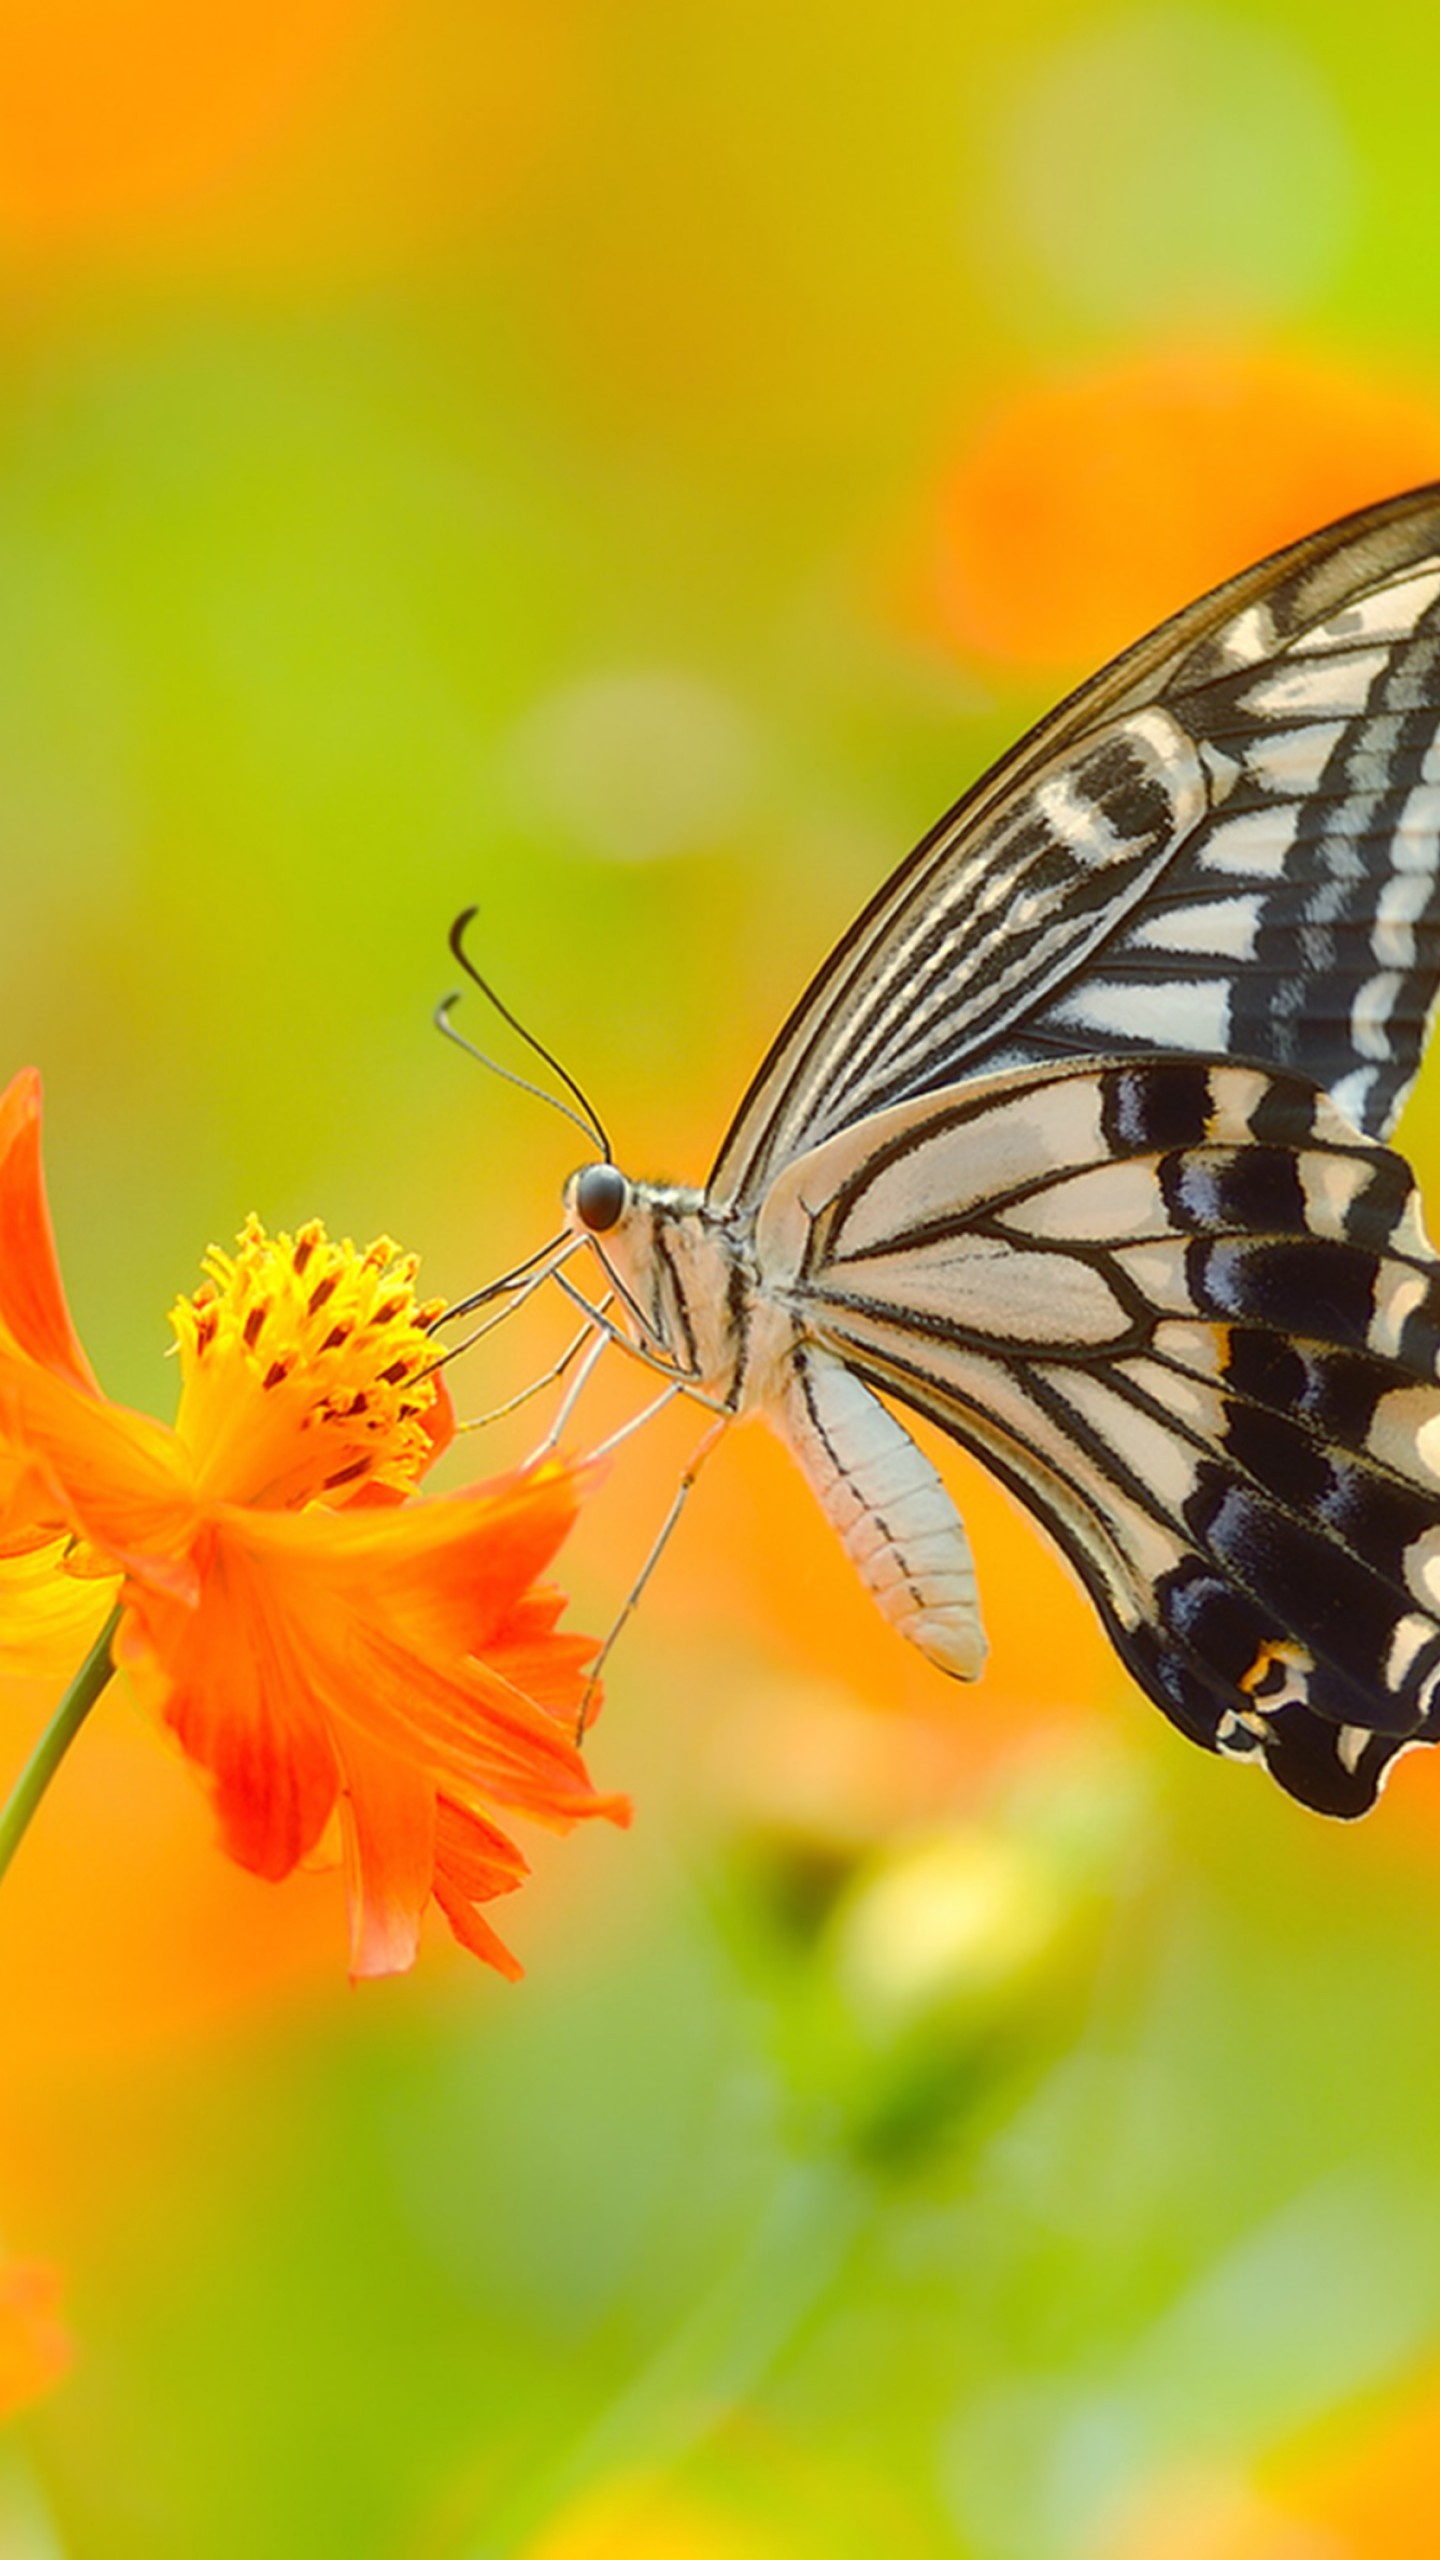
[[34, 2348], [109, 114], [301, 136], [1081, 511], [1367, 2501]]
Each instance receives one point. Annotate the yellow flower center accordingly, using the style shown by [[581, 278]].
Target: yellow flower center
[[306, 1370]]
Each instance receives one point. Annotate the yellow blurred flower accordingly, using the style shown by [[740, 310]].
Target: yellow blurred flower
[[639, 2517]]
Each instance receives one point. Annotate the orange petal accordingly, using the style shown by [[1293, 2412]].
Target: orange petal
[[28, 1511], [34, 2348], [459, 1564], [48, 1618], [553, 1670], [387, 1821], [456, 1568], [323, 1655], [230, 1678], [32, 1300], [482, 1740], [475, 1934], [114, 1476], [473, 1863]]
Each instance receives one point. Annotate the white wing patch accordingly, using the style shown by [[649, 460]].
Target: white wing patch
[[1292, 762], [1391, 613], [1253, 845], [1107, 1204], [1250, 637], [1401, 905], [1418, 828], [1371, 1011], [1221, 928], [1163, 1463], [972, 1155], [1337, 686], [1188, 1013], [983, 1287]]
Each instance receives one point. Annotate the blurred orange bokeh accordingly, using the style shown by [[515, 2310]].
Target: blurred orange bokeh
[[34, 2347], [1371, 2497], [1082, 508], [312, 136], [113, 117]]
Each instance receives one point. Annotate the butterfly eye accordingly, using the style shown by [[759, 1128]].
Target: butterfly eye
[[600, 1197]]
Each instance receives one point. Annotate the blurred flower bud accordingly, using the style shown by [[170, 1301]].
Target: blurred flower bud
[[955, 1959], [956, 1922]]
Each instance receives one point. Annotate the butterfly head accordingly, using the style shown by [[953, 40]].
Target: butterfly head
[[597, 1198], [616, 1218]]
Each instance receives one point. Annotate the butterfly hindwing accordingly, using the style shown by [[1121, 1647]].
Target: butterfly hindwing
[[1190, 1315], [1227, 843]]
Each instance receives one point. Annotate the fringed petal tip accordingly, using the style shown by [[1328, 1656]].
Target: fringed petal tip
[[617, 1809], [476, 1935]]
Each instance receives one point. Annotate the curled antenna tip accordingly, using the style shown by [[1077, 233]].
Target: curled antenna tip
[[591, 1124], [460, 928]]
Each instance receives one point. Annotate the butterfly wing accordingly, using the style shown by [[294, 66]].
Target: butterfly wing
[[1227, 843], [1192, 1319]]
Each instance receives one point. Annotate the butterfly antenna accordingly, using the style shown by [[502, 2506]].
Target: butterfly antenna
[[507, 1075], [592, 1123]]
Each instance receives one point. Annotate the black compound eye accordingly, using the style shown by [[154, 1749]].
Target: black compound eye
[[601, 1193]]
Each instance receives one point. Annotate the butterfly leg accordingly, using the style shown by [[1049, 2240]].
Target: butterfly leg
[[537, 1386], [633, 1350], [682, 1495], [888, 1506]]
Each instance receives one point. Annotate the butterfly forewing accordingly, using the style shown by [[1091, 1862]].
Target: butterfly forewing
[[1226, 843], [1191, 1316]]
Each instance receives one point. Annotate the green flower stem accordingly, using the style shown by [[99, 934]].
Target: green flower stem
[[55, 1741]]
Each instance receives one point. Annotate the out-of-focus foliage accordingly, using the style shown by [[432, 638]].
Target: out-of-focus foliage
[[631, 466]]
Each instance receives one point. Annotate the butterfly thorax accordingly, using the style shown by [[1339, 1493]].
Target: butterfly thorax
[[685, 1278]]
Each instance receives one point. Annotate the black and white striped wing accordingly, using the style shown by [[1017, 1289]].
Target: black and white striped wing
[[1192, 1319], [1227, 843]]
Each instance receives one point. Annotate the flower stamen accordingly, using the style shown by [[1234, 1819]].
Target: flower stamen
[[294, 1353]]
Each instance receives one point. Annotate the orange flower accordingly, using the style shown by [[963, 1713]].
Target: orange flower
[[316, 1642], [34, 2349]]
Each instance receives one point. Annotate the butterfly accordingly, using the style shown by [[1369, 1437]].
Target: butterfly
[[1075, 1147]]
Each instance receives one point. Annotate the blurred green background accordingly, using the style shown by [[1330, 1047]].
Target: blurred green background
[[631, 465]]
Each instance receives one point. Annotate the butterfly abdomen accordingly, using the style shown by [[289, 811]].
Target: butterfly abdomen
[[888, 1506]]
